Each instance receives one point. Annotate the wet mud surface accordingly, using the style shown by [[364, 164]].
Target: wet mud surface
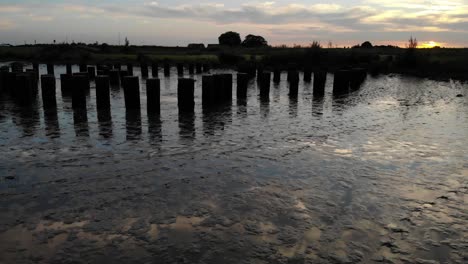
[[377, 176]]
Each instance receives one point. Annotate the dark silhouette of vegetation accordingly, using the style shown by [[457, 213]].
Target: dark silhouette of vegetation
[[434, 63], [252, 41], [230, 39], [367, 45]]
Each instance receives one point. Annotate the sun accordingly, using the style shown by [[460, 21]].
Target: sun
[[429, 45]]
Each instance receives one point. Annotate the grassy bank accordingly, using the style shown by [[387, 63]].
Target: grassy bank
[[433, 63]]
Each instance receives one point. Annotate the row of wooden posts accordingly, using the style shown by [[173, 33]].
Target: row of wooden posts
[[216, 89]]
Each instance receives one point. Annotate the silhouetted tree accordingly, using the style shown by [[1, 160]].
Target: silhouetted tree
[[367, 45], [127, 43], [412, 43], [252, 41], [230, 39]]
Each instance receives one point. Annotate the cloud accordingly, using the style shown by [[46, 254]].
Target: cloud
[[6, 24]]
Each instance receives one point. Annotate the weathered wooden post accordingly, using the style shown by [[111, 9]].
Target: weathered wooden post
[[102, 92], [48, 92], [36, 69], [144, 70], [123, 74], [357, 77], [155, 70], [66, 84], [69, 69], [320, 78], [83, 67], [131, 86], [277, 75], [80, 85], [50, 69], [153, 95], [198, 67], [265, 79], [185, 95], [91, 72], [259, 72], [218, 80], [307, 74], [130, 69], [24, 90], [242, 84], [341, 82], [191, 69], [227, 88], [180, 69], [208, 91], [17, 67], [114, 77], [167, 69], [293, 83]]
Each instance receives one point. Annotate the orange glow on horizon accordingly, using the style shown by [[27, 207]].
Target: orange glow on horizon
[[429, 45]]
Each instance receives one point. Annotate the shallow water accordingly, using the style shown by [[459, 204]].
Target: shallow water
[[379, 175]]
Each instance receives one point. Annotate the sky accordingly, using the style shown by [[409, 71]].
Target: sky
[[180, 22]]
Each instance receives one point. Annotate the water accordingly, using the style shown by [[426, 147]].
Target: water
[[380, 175]]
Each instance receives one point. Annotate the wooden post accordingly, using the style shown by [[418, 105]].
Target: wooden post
[[50, 69], [83, 67], [154, 70], [191, 69], [48, 92], [69, 68], [277, 75], [208, 92], [185, 95], [102, 92], [180, 69], [293, 83], [341, 82], [227, 88], [66, 84], [114, 77], [198, 67], [153, 94], [167, 69], [307, 74], [23, 88], [80, 85], [264, 83], [130, 69], [144, 70], [242, 84], [131, 86], [91, 72], [320, 78]]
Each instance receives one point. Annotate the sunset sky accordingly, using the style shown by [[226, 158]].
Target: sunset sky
[[179, 22]]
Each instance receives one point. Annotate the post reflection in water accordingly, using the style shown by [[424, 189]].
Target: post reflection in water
[[52, 123], [105, 123], [155, 128], [80, 122], [264, 106], [318, 106], [242, 108], [187, 125], [133, 124], [293, 106], [216, 118]]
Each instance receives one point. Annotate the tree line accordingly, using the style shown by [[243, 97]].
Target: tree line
[[233, 39]]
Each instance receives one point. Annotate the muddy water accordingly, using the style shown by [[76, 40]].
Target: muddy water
[[380, 175]]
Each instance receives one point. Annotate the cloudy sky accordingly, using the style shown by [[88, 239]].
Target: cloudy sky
[[178, 22]]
